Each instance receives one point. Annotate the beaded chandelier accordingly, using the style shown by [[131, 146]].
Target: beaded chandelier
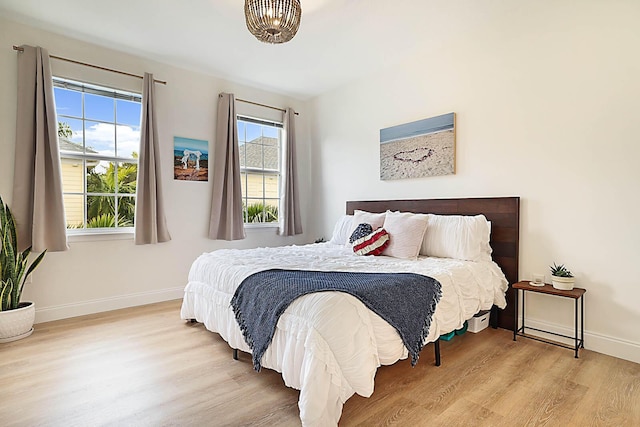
[[273, 21]]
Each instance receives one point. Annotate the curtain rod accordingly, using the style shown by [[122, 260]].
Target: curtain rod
[[264, 105], [73, 61]]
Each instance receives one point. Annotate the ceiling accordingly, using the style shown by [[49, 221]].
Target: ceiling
[[338, 41]]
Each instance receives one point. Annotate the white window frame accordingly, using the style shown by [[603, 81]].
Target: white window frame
[[83, 87], [262, 171]]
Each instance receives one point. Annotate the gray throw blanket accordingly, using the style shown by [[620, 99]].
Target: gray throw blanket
[[406, 301]]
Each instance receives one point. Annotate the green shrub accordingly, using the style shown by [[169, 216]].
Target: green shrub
[[259, 212]]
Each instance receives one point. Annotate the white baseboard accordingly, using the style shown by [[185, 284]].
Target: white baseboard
[[615, 347], [64, 311]]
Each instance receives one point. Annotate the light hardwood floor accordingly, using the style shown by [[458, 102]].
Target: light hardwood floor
[[144, 366]]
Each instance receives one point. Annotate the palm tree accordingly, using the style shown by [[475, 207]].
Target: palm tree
[[64, 130], [124, 181], [107, 221]]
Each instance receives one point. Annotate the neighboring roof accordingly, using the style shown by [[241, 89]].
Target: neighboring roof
[[69, 146], [253, 152]]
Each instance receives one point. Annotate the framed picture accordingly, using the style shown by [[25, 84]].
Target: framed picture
[[190, 159], [418, 149]]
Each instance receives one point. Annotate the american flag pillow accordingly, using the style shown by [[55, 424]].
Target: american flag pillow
[[361, 230], [372, 244]]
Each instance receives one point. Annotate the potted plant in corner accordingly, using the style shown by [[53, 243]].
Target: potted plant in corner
[[561, 277], [16, 318]]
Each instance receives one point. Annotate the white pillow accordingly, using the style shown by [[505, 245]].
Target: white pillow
[[363, 217], [341, 230], [457, 236], [406, 231]]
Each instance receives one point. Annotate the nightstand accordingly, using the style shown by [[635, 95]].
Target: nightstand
[[577, 294]]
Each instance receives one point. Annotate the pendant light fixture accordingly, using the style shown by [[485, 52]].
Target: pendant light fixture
[[273, 21]]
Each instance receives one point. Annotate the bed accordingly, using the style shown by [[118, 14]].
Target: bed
[[329, 345]]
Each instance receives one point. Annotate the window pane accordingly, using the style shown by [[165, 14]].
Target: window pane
[[74, 142], [98, 107], [271, 210], [101, 177], [271, 158], [100, 138], [255, 210], [272, 202], [98, 193], [255, 187], [72, 176], [128, 113], [127, 176], [259, 148], [100, 211], [243, 184], [241, 131], [243, 154], [253, 155], [271, 132], [74, 210], [126, 211], [128, 141], [68, 102], [271, 186], [253, 131]]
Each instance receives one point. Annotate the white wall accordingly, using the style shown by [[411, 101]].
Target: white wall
[[100, 275], [547, 97]]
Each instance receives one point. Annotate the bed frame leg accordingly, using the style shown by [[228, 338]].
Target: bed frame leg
[[235, 354], [437, 350]]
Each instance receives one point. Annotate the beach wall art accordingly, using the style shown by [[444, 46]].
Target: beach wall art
[[418, 149], [190, 159]]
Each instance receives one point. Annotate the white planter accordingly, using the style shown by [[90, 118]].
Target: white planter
[[18, 323], [563, 283]]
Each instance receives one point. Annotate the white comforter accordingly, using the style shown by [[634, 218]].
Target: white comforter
[[329, 345]]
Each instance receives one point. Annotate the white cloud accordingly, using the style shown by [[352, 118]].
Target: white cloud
[[101, 137]]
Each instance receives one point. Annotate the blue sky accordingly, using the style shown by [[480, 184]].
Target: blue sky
[[101, 136], [100, 113], [247, 132]]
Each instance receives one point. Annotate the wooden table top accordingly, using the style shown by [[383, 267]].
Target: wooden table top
[[574, 293]]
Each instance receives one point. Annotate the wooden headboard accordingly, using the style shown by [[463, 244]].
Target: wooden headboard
[[504, 214]]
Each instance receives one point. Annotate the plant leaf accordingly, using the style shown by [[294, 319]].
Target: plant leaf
[[14, 265]]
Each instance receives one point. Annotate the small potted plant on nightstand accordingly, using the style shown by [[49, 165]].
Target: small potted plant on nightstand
[[561, 277], [16, 317]]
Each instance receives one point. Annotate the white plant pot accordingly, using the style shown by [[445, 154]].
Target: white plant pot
[[563, 283], [18, 323]]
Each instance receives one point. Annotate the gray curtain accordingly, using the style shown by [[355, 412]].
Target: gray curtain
[[150, 221], [290, 219], [226, 221], [37, 180]]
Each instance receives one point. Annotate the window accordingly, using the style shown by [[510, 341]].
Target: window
[[260, 143], [99, 135]]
